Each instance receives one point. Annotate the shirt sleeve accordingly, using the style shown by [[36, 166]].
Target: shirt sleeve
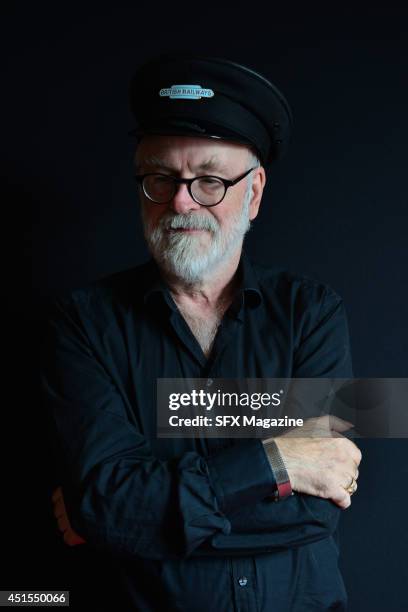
[[121, 498], [322, 347]]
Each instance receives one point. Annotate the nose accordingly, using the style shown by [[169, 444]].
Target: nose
[[182, 201]]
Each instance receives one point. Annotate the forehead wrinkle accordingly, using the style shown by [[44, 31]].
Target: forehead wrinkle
[[210, 165]]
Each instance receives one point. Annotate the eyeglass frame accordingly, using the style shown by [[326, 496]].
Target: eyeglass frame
[[188, 181]]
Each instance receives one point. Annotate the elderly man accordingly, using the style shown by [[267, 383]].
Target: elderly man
[[191, 522]]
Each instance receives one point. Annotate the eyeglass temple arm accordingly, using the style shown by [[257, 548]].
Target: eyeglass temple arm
[[235, 181]]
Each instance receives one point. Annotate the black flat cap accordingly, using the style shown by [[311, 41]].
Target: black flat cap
[[185, 94]]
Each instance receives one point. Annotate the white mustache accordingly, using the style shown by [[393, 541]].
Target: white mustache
[[189, 222]]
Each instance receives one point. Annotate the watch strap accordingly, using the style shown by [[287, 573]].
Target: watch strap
[[283, 486]]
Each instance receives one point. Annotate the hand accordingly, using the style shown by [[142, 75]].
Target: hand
[[70, 536], [319, 459]]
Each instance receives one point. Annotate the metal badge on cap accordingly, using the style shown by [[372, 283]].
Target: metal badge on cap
[[187, 92]]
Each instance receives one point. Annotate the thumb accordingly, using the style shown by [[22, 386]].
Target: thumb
[[338, 424]]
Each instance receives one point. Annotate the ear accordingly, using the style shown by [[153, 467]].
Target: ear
[[259, 180]]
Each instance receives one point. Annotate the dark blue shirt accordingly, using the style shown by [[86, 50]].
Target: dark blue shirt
[[190, 522]]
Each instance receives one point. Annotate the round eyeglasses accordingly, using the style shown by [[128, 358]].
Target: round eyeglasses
[[205, 190]]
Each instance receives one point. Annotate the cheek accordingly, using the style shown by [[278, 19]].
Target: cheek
[[221, 219], [229, 214], [233, 207]]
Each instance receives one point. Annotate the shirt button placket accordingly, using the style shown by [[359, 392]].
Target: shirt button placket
[[245, 588]]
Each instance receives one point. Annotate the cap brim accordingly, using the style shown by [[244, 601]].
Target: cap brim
[[186, 128]]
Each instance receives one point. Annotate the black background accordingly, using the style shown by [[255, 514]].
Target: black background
[[335, 208]]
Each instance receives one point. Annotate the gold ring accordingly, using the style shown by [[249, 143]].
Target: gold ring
[[352, 487]]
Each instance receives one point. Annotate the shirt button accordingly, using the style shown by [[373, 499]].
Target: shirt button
[[242, 581], [209, 382]]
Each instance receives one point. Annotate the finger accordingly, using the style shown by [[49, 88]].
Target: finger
[[59, 509], [355, 453], [328, 425], [57, 494], [342, 498], [353, 483], [63, 523], [320, 423], [72, 538], [335, 434], [348, 481], [339, 424]]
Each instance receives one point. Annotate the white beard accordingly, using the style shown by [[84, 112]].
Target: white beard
[[193, 257]]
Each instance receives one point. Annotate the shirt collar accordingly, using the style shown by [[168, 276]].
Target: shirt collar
[[249, 293]]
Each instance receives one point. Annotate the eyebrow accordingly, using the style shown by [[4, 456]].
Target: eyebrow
[[210, 165]]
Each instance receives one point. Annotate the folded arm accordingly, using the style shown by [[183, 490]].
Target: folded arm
[[121, 498]]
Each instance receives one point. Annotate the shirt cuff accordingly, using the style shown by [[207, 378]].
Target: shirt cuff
[[241, 474]]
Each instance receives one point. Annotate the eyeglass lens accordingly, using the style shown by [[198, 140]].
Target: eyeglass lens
[[206, 190]]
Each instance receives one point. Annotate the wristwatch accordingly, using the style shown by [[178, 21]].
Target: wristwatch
[[283, 486]]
